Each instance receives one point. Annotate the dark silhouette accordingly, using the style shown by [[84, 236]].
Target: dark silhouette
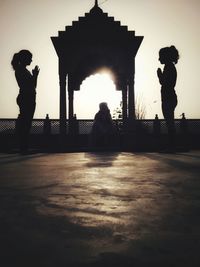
[[183, 125], [93, 42], [27, 83], [184, 137], [47, 125], [169, 57], [103, 128], [74, 126], [156, 126], [47, 133]]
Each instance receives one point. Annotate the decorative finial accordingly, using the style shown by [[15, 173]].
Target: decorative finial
[[96, 9]]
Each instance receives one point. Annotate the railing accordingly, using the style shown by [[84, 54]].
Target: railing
[[7, 126], [139, 135]]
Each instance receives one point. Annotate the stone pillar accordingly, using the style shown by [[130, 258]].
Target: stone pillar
[[131, 94], [71, 105], [124, 102], [71, 102], [62, 81]]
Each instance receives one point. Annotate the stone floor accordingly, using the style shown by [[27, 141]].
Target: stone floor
[[100, 209]]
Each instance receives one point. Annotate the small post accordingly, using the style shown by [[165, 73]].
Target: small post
[[183, 125], [74, 127], [156, 126], [17, 121], [184, 134], [47, 125]]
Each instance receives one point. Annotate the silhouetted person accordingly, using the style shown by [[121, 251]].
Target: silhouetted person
[[169, 57], [102, 128], [27, 83]]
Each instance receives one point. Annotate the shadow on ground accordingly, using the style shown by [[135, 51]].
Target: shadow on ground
[[88, 209]]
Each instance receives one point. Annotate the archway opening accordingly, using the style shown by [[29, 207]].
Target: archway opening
[[95, 89]]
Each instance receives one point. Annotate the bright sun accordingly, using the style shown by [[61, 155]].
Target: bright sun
[[94, 90]]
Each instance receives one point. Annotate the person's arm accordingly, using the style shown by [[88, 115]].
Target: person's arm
[[160, 75], [35, 73]]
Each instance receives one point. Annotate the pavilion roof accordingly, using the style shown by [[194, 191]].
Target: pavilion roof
[[96, 28], [93, 41]]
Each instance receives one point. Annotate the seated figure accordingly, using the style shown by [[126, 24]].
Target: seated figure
[[103, 127]]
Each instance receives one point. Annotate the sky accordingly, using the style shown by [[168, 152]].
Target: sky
[[28, 24]]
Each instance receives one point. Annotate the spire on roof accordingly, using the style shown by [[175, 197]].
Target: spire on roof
[[96, 9]]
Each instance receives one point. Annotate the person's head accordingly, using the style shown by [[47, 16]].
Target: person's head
[[168, 55], [22, 58], [103, 106]]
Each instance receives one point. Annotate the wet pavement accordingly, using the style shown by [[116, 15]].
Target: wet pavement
[[100, 209]]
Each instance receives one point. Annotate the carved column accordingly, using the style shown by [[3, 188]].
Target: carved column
[[62, 81], [131, 94], [70, 100], [124, 102]]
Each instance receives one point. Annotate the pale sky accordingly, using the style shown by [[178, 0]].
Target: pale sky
[[29, 24]]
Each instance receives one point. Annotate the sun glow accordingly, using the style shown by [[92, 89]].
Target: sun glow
[[94, 90]]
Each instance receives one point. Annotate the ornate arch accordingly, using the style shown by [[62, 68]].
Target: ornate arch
[[93, 42]]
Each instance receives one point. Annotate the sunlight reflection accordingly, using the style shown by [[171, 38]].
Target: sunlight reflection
[[95, 89], [120, 196]]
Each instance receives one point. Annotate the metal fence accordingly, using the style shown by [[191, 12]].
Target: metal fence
[[7, 126]]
